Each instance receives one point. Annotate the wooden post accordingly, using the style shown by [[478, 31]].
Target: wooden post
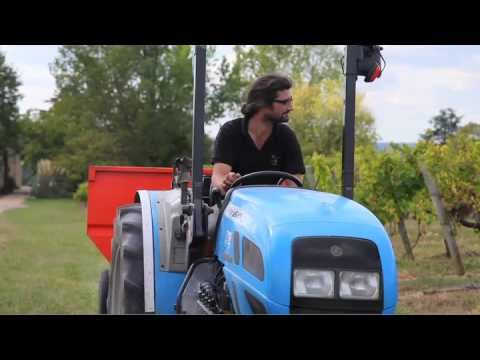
[[447, 250], [309, 180], [405, 239], [443, 217]]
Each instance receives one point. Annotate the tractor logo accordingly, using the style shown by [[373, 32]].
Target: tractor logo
[[238, 216], [234, 211], [336, 251], [274, 160]]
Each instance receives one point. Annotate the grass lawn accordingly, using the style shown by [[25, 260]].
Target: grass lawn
[[47, 263]]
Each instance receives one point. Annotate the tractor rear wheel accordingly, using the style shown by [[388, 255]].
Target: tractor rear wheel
[[126, 288]]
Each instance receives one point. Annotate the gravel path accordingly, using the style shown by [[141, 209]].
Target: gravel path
[[14, 201]]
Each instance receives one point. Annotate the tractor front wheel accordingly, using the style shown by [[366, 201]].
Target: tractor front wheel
[[126, 288], [103, 292]]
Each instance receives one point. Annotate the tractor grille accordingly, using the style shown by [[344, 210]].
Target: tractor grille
[[336, 254]]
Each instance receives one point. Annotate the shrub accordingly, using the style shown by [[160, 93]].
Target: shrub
[[82, 192], [51, 181]]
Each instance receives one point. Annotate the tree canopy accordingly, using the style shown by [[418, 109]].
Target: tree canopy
[[121, 105], [308, 64], [9, 128], [132, 105], [318, 118], [444, 124]]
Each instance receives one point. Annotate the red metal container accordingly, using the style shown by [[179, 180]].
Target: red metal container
[[112, 186]]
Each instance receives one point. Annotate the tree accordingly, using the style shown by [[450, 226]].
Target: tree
[[308, 64], [43, 136], [471, 130], [388, 182], [318, 118], [444, 125], [9, 129], [327, 172], [117, 105], [455, 167]]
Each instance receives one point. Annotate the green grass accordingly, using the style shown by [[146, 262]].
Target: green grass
[[47, 263], [432, 269]]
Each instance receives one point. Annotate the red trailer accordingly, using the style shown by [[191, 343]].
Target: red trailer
[[110, 187]]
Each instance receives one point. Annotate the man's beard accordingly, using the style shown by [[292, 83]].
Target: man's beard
[[279, 119]]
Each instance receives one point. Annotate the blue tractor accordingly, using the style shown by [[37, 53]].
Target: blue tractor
[[277, 250]]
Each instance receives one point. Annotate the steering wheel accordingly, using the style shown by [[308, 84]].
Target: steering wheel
[[259, 174]]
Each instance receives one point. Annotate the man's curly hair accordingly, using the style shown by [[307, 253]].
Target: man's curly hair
[[263, 92]]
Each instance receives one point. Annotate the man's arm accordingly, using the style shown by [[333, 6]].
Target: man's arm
[[223, 177], [223, 155]]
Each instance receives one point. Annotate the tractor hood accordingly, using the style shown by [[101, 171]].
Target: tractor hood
[[271, 218], [268, 207]]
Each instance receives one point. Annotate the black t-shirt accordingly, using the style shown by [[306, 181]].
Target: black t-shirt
[[235, 147]]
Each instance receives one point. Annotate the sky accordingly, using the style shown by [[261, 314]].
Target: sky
[[418, 82]]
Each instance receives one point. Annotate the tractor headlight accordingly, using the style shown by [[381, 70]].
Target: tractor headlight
[[313, 283], [359, 285]]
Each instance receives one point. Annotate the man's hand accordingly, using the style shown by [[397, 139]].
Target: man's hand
[[228, 180], [223, 177], [290, 183]]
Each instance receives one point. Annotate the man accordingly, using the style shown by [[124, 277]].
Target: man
[[260, 140]]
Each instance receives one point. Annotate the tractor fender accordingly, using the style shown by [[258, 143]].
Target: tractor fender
[[164, 260], [143, 197]]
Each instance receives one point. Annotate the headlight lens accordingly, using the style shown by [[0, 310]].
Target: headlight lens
[[359, 285], [313, 283]]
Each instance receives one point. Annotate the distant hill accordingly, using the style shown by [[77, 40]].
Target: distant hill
[[382, 146]]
